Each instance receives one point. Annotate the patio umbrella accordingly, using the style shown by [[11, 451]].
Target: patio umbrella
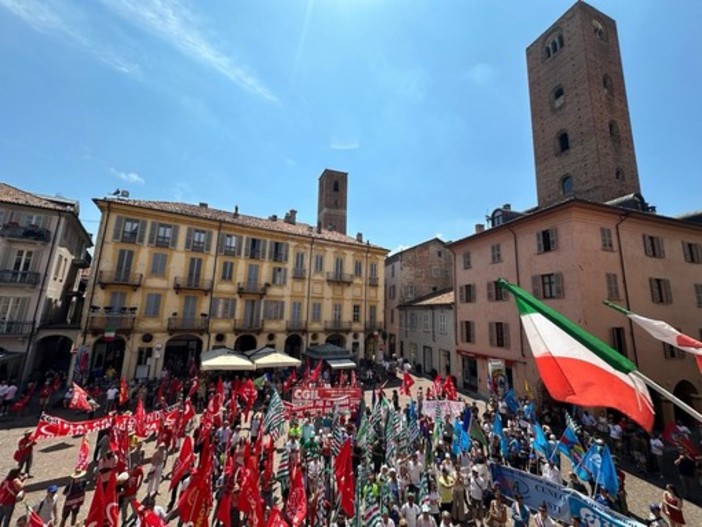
[[274, 359], [225, 359]]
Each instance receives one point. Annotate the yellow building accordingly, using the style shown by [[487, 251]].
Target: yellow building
[[171, 279]]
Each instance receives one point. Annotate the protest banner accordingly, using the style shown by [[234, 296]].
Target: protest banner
[[319, 406], [324, 397], [454, 408], [592, 513]]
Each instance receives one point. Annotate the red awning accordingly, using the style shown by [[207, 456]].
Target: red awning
[[484, 356]]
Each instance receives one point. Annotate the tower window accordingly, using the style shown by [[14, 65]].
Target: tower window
[[607, 84], [567, 185], [563, 142], [335, 187], [614, 131], [553, 44], [619, 175], [599, 30], [558, 97]]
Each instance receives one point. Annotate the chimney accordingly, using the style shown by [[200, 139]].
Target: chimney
[[319, 227], [359, 237], [236, 211], [203, 205], [273, 217], [507, 206], [292, 216], [479, 227]]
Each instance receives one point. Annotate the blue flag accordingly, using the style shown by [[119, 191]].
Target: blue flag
[[541, 444], [466, 419], [530, 412], [498, 430], [598, 461], [511, 401], [571, 447], [456, 443]]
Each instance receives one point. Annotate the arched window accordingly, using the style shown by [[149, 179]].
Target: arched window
[[335, 187], [567, 185], [619, 174], [558, 97], [599, 30], [560, 40], [614, 130], [607, 84], [548, 52], [554, 46], [563, 142]]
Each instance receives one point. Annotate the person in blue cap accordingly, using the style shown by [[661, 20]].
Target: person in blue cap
[[47, 508]]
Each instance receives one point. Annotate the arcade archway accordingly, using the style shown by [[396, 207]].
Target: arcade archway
[[52, 353], [182, 355], [245, 343], [293, 346], [337, 340], [685, 391], [108, 355]]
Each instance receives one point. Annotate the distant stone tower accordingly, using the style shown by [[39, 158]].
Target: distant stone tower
[[583, 145], [331, 205]]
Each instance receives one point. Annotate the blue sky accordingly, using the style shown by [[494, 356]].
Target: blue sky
[[425, 103]]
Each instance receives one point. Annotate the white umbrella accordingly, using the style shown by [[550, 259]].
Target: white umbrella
[[274, 359], [225, 359]]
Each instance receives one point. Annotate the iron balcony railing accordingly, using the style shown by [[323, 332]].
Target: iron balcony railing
[[10, 277], [299, 273], [198, 324], [252, 288], [119, 323], [25, 232], [119, 277], [248, 325], [15, 329], [296, 325], [337, 325], [343, 278], [373, 281], [192, 283]]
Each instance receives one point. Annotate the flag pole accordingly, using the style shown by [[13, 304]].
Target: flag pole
[[669, 396]]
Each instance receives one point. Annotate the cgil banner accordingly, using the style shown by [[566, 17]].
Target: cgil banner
[[50, 426], [320, 406], [455, 408], [563, 503]]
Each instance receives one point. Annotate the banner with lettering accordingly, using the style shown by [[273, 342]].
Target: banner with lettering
[[592, 513], [318, 406], [303, 396], [454, 408]]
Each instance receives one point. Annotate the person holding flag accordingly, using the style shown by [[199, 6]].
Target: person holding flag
[[75, 497]]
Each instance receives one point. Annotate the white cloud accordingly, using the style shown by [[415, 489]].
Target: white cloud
[[337, 143], [47, 20], [481, 74], [129, 177], [176, 25]]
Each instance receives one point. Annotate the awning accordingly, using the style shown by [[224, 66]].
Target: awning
[[276, 359], [341, 364], [225, 359]]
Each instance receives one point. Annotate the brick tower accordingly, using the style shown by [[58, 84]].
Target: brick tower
[[331, 204], [583, 145]]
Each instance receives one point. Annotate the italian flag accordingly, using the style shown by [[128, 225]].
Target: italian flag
[[577, 367], [665, 333]]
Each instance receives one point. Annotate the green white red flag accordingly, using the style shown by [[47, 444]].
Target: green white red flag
[[577, 367], [665, 333]]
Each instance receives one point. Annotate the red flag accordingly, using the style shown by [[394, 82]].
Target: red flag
[[224, 510], [268, 464], [183, 462], [353, 378], [215, 403], [249, 394], [296, 507], [195, 501], [193, 387], [317, 372], [96, 514], [275, 518], [83, 455], [111, 505], [438, 386], [407, 383], [123, 392], [140, 419], [147, 517], [450, 389], [80, 399], [343, 470], [250, 502], [33, 519], [292, 378]]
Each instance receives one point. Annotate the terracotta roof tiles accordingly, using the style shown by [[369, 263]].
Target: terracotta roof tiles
[[15, 196]]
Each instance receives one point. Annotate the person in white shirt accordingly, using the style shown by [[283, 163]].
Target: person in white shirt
[[111, 394], [385, 520], [10, 393], [542, 519], [426, 519], [657, 447], [551, 473], [476, 488], [415, 469], [410, 511]]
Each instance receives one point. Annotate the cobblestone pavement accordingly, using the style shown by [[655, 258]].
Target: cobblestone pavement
[[54, 460]]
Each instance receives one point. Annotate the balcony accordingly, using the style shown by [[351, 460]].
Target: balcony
[[373, 281], [296, 325], [341, 278], [120, 323], [252, 288], [25, 278], [189, 324], [25, 232], [162, 241], [11, 328], [252, 326], [374, 325], [336, 325], [192, 283], [299, 273], [106, 278]]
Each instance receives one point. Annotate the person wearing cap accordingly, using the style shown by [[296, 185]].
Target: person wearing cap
[[410, 511], [75, 496], [655, 519], [385, 519], [47, 508], [542, 519], [24, 454], [426, 519]]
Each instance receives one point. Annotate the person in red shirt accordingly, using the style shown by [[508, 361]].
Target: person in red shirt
[[45, 395], [130, 487], [25, 452]]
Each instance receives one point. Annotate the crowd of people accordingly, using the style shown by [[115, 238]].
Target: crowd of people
[[410, 467]]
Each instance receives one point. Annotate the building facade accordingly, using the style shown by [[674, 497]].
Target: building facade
[[174, 279], [43, 253], [413, 273], [426, 332], [574, 255], [583, 143]]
